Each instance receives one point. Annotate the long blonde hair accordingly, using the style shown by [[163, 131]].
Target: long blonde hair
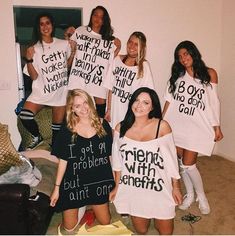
[[72, 119], [141, 52]]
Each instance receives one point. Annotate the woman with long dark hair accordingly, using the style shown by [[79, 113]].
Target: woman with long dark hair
[[145, 164], [47, 62], [192, 109], [96, 49]]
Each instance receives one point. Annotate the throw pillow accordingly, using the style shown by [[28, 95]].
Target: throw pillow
[[8, 154]]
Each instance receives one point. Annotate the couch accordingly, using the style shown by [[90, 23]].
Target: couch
[[25, 209]]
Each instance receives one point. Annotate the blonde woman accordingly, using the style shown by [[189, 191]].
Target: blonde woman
[[129, 72], [84, 175]]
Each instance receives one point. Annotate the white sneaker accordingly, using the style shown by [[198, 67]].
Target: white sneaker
[[204, 205], [36, 141], [188, 200]]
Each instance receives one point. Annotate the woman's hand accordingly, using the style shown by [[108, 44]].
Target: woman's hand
[[30, 53], [176, 191], [112, 194], [108, 115], [177, 195], [54, 196], [218, 133], [69, 32]]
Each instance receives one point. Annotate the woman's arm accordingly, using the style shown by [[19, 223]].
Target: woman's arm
[[108, 110], [215, 103], [117, 176], [118, 45], [73, 46], [31, 70], [59, 176], [166, 105], [176, 192], [116, 163]]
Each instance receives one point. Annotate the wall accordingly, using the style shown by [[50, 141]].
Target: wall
[[227, 81], [165, 23]]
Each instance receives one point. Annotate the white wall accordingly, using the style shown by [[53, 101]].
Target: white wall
[[8, 98], [227, 81], [165, 23]]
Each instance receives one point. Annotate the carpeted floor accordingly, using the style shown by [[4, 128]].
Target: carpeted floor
[[219, 180]]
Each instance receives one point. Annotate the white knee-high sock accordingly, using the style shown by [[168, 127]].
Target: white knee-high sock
[[81, 212], [196, 179], [186, 179], [188, 183]]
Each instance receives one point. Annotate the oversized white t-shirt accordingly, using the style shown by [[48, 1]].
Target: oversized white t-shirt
[[122, 81], [91, 62], [192, 113], [50, 62], [147, 169]]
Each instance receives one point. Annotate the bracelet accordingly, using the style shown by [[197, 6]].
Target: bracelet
[[28, 60], [58, 185]]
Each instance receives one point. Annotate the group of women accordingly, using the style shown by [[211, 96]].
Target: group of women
[[117, 145]]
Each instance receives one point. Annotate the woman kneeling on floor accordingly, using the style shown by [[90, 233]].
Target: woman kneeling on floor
[[145, 163]]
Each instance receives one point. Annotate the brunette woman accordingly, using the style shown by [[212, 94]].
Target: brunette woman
[[145, 163], [47, 62], [96, 48], [192, 109]]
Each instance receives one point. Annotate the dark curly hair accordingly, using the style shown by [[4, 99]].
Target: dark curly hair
[[200, 70], [129, 118], [106, 30]]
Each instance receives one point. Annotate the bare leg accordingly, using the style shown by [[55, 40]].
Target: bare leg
[[70, 219], [140, 224], [164, 227], [58, 113], [102, 213], [35, 108], [189, 157]]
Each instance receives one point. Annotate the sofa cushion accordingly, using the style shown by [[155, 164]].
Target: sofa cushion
[[8, 154]]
